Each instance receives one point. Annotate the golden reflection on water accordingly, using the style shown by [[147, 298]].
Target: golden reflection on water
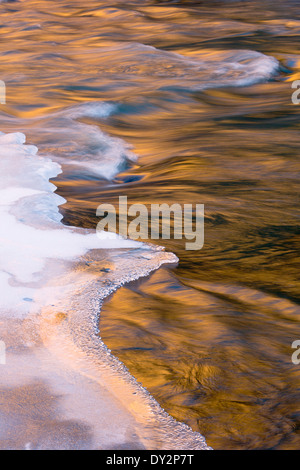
[[210, 339], [220, 362]]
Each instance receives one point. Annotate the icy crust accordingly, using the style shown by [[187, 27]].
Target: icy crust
[[77, 330], [53, 280], [30, 230]]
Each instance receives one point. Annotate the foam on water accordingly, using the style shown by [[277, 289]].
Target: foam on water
[[84, 146], [194, 70], [72, 135]]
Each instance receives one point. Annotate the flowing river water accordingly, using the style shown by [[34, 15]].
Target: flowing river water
[[197, 109]]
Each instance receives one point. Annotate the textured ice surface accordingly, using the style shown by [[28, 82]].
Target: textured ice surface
[[30, 230], [61, 388]]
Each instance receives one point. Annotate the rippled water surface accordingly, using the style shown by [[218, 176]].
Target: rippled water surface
[[198, 111]]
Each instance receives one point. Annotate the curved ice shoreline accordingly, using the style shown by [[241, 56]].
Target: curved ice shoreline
[[74, 340], [54, 278], [52, 287]]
